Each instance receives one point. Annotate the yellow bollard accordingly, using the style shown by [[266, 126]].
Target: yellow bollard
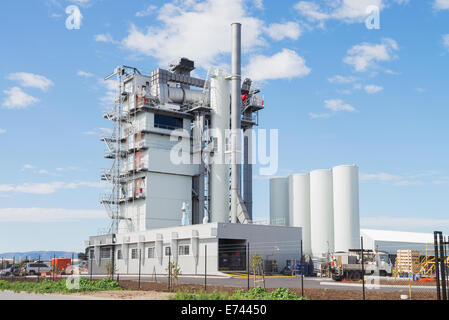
[[410, 288]]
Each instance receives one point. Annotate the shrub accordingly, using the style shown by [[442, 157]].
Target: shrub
[[253, 294], [46, 286]]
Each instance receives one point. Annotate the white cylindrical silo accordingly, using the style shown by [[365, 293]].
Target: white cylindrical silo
[[299, 207], [346, 208], [219, 170], [279, 204], [321, 213]]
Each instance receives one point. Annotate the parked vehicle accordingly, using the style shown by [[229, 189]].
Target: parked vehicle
[[348, 265], [35, 268], [11, 271], [61, 265]]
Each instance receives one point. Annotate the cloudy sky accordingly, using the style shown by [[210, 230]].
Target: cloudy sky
[[338, 91]]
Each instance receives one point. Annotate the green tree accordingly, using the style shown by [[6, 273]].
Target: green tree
[[82, 256], [175, 271]]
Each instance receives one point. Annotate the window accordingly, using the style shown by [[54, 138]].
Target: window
[[105, 253], [167, 251], [184, 250], [119, 255], [134, 254], [167, 122], [151, 253]]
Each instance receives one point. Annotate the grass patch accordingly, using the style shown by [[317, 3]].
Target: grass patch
[[46, 286], [253, 294]]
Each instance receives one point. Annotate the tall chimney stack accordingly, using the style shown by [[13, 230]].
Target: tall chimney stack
[[236, 124]]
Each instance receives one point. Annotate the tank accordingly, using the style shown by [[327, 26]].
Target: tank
[[321, 213], [299, 207], [279, 202], [219, 170], [346, 208]]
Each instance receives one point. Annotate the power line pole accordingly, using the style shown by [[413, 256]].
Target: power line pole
[[247, 263]]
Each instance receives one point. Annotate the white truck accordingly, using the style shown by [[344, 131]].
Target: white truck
[[348, 265]]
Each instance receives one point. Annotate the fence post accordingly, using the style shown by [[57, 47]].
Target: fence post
[[54, 265], [140, 264], [205, 268], [247, 264], [363, 268], [302, 271], [443, 268], [91, 265], [169, 270], [39, 269], [444, 257], [437, 264]]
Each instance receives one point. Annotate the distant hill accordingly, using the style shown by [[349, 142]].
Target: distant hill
[[34, 255]]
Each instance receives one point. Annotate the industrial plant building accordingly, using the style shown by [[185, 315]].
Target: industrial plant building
[[179, 190], [392, 241]]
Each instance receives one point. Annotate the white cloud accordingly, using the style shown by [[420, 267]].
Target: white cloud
[[82, 3], [337, 105], [258, 4], [334, 105], [2, 131], [446, 40], [84, 74], [319, 115], [416, 224], [17, 99], [365, 56], [99, 131], [379, 177], [107, 38], [372, 89], [48, 215], [27, 167], [280, 31], [285, 64], [311, 11], [197, 30], [110, 94], [147, 11], [341, 79], [404, 180], [31, 80], [348, 11], [441, 4], [70, 168], [46, 188]]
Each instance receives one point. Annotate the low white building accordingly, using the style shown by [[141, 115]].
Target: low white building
[[392, 241], [224, 245]]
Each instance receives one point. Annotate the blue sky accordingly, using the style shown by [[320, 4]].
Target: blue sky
[[338, 92]]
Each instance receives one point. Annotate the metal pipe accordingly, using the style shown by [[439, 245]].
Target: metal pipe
[[236, 123], [248, 171]]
